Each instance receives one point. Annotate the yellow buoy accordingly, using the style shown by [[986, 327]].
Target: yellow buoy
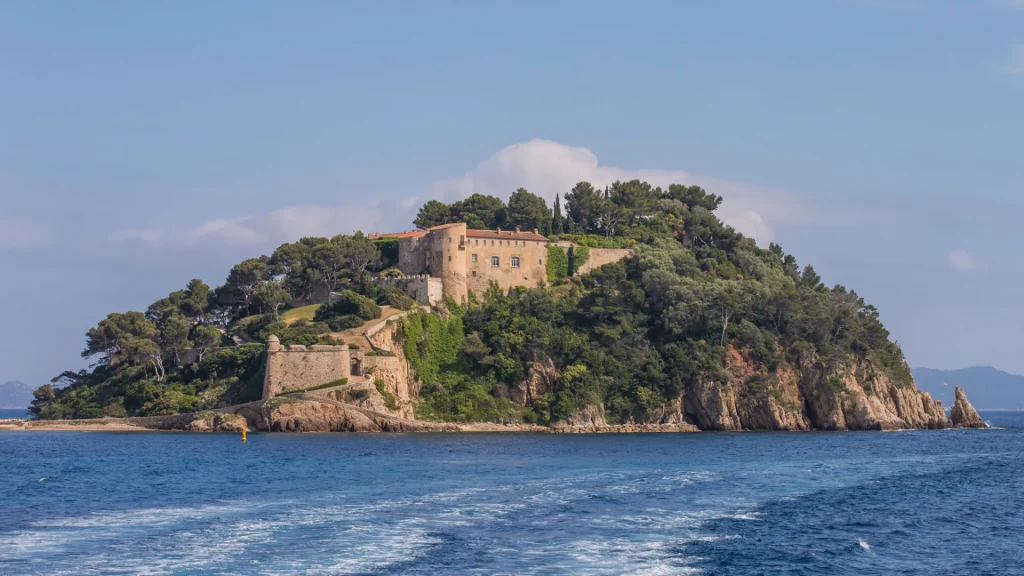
[[243, 434]]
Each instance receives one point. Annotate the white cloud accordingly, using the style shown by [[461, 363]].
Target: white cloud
[[960, 260], [22, 234], [548, 168], [1016, 65], [282, 225], [543, 167]]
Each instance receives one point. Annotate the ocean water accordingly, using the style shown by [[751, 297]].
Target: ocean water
[[914, 502], [6, 413]]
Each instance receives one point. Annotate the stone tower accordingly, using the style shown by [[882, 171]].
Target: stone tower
[[448, 259]]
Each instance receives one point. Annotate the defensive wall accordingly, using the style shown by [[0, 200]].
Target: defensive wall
[[598, 257], [422, 288], [300, 367]]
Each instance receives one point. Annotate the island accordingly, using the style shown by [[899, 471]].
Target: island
[[634, 309]]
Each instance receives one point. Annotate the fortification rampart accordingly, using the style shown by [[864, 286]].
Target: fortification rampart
[[598, 257], [301, 367], [422, 288]]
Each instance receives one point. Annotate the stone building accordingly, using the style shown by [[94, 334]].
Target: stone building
[[469, 260]]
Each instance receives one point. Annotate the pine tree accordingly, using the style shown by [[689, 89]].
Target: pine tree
[[556, 219]]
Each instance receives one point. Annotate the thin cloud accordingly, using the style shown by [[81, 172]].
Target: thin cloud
[[282, 225], [543, 167], [23, 234], [960, 260]]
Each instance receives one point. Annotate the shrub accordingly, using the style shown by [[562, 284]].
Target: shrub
[[358, 394], [349, 303], [389, 399], [344, 322], [396, 298]]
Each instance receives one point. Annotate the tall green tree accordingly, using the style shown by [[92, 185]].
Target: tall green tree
[[204, 339], [528, 211], [556, 218], [433, 213], [582, 205], [244, 279], [270, 297], [479, 212]]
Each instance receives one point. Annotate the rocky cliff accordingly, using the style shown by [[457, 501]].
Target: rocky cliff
[[854, 394]]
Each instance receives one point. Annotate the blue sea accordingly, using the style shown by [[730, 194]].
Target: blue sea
[[914, 502]]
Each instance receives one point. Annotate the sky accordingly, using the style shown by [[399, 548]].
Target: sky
[[146, 143]]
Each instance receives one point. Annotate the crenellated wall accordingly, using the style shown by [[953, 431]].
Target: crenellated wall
[[301, 367]]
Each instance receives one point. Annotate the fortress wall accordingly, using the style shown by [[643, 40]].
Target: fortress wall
[[420, 287], [448, 259], [532, 271], [412, 254], [299, 367], [600, 256]]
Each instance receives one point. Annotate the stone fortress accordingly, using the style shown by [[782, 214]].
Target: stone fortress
[[444, 261], [451, 261]]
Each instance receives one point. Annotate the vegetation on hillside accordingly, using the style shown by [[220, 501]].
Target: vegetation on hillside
[[635, 335], [632, 336]]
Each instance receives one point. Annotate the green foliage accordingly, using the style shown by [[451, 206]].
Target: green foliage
[[578, 256], [528, 211], [633, 335], [349, 303], [595, 241], [557, 265], [358, 394], [390, 401], [388, 248], [432, 343], [395, 298], [346, 322]]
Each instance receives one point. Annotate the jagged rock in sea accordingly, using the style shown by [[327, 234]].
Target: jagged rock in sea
[[962, 414]]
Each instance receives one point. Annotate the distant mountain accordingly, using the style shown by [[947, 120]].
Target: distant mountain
[[988, 388], [15, 395]]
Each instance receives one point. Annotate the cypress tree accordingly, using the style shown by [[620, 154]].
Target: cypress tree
[[556, 219]]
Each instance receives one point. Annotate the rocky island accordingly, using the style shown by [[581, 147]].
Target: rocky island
[[635, 310]]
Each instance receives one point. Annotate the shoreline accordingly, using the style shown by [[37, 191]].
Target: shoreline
[[118, 425]]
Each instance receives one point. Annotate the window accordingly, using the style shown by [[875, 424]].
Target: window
[[494, 261], [492, 242], [476, 242], [449, 258], [515, 261], [473, 258], [474, 273], [517, 242]]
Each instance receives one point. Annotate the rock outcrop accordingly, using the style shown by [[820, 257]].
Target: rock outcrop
[[962, 414], [309, 413], [850, 395], [541, 379]]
